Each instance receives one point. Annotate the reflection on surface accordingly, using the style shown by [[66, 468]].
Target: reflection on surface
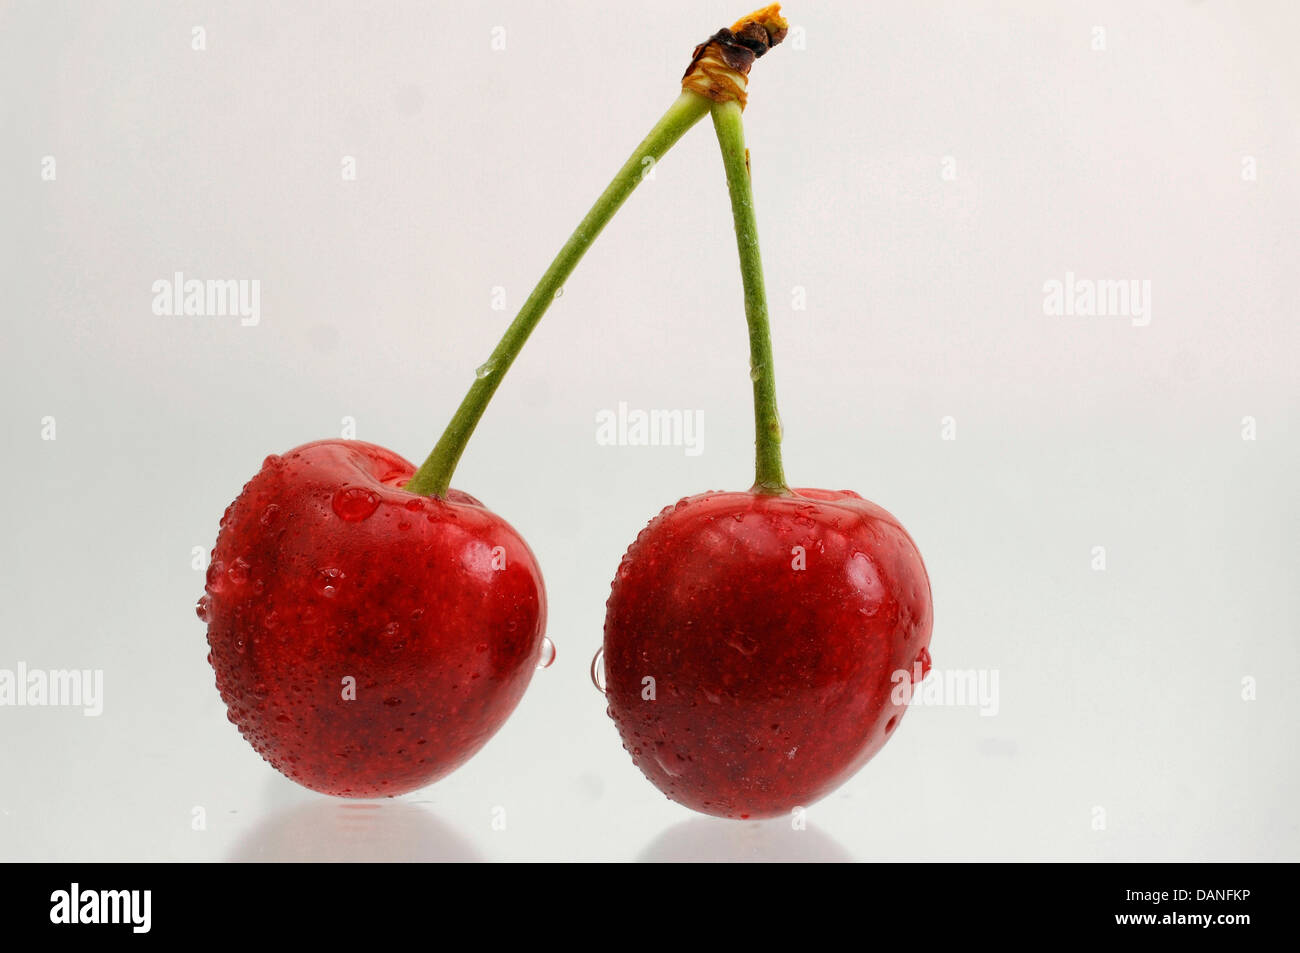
[[715, 839], [328, 829]]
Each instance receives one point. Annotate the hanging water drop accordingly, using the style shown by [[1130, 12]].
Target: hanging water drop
[[546, 655]]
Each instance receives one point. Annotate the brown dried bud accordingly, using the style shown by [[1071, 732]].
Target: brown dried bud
[[720, 65]]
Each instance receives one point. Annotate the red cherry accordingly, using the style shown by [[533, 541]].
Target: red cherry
[[776, 630], [366, 640]]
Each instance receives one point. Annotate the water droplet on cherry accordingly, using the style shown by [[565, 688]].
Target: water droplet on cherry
[[598, 670], [238, 571], [270, 514], [667, 766], [327, 581], [354, 503], [546, 654], [204, 607]]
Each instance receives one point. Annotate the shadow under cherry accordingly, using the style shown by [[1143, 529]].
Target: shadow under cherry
[[711, 839], [336, 831]]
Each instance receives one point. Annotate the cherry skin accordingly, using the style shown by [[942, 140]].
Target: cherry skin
[[366, 640], [777, 631]]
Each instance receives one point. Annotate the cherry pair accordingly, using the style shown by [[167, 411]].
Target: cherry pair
[[371, 628]]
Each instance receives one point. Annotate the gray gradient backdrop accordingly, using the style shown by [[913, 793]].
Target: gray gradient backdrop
[[1120, 689]]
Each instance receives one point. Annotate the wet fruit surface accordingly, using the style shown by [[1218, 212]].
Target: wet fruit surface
[[753, 645], [366, 640]]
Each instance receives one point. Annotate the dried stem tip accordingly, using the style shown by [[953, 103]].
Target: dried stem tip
[[720, 66]]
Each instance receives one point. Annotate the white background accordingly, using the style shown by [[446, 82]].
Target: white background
[[1119, 689]]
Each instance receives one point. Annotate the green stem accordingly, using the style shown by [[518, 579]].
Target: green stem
[[769, 475], [434, 476]]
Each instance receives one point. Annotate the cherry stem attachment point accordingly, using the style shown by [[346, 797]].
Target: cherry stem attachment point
[[769, 474]]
